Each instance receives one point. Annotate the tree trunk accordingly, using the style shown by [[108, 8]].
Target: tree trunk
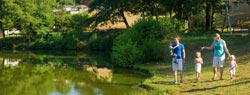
[[208, 16], [2, 33], [170, 13], [124, 18], [212, 18]]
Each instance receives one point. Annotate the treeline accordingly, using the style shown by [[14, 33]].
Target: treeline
[[196, 13], [45, 25]]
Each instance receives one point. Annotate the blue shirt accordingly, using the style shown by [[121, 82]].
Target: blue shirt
[[219, 48], [178, 50]]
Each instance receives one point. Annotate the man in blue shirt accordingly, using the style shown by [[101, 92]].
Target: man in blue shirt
[[177, 64]]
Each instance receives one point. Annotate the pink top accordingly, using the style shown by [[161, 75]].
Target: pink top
[[198, 61]]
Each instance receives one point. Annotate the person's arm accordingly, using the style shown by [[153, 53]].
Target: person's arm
[[195, 61], [236, 64], [208, 48], [201, 61], [226, 49], [184, 55]]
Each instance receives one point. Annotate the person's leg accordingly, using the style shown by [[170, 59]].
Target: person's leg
[[181, 76], [221, 62], [214, 73], [221, 73], [175, 76], [174, 67], [180, 69], [215, 64], [197, 76], [231, 75]]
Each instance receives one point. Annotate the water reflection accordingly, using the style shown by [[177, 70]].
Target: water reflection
[[73, 91], [47, 74], [103, 74], [10, 62]]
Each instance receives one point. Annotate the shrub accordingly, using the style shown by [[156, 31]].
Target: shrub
[[126, 54], [70, 41], [142, 42], [100, 42]]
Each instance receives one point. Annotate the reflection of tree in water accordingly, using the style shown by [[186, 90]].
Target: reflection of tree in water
[[103, 74], [23, 80], [10, 61], [44, 74]]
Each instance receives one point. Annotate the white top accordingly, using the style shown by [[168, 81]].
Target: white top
[[232, 64], [198, 61]]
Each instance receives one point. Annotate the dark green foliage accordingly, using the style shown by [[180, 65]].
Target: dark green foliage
[[57, 41], [142, 42]]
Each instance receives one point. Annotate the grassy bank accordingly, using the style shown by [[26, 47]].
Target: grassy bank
[[162, 81]]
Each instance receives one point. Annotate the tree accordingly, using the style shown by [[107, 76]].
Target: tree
[[211, 6], [110, 10], [66, 2], [30, 16]]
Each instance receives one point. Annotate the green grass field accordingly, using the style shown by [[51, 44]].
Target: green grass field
[[162, 81]]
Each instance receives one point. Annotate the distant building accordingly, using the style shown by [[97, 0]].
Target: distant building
[[71, 9], [12, 32], [86, 2]]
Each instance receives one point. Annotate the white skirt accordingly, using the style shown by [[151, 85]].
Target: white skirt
[[198, 67]]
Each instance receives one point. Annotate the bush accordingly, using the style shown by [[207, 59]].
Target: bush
[[142, 42], [100, 42], [57, 41], [126, 54], [70, 41]]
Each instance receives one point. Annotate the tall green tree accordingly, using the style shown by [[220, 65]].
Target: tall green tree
[[110, 11], [211, 7], [30, 16], [66, 2]]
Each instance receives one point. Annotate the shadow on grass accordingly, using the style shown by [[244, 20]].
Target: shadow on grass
[[215, 87], [163, 82]]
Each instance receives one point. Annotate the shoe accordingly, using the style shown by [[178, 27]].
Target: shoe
[[181, 81]]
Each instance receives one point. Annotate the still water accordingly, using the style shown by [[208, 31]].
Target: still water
[[63, 73]]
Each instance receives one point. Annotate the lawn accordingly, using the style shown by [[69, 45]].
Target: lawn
[[162, 81]]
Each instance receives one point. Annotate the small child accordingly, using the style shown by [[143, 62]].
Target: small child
[[232, 66], [198, 61], [171, 48]]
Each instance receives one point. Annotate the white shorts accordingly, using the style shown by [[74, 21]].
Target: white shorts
[[218, 61], [232, 70], [177, 66], [198, 68]]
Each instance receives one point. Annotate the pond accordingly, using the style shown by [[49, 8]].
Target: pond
[[63, 73]]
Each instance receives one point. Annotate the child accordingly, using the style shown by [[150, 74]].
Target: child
[[198, 61], [232, 66], [171, 51]]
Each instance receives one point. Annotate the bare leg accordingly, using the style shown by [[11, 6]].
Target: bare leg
[[215, 70], [221, 73], [175, 76], [181, 77], [197, 75]]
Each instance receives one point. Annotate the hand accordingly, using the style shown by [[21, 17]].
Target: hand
[[183, 61], [202, 48]]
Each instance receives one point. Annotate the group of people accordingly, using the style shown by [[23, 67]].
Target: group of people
[[219, 46]]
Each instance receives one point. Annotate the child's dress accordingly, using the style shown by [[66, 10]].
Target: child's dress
[[198, 62], [232, 65]]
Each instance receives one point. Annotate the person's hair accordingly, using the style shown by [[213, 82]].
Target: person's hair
[[217, 35], [178, 37], [199, 53], [232, 57]]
